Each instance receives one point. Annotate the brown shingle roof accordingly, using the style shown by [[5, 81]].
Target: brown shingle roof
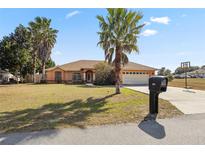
[[89, 64], [136, 66]]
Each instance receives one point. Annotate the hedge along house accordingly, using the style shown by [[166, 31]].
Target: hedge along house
[[83, 71]]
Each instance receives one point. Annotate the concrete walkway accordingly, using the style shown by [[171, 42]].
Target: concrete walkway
[[187, 129], [188, 101]]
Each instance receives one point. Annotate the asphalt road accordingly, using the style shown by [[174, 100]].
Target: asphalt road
[[188, 101], [186, 129]]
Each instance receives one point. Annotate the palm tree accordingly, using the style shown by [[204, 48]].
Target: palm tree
[[34, 38], [44, 39], [118, 36]]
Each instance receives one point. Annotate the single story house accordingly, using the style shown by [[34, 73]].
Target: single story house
[[6, 76], [200, 73], [83, 71]]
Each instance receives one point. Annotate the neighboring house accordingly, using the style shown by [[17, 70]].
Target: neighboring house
[[198, 73], [83, 71], [6, 77]]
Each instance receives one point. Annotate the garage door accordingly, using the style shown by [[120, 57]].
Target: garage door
[[135, 79]]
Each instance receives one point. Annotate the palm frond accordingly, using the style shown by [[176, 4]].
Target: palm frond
[[119, 29]]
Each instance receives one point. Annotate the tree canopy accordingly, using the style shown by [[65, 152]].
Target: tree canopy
[[16, 52]]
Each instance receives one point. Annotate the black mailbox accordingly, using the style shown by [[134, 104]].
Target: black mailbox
[[157, 84]]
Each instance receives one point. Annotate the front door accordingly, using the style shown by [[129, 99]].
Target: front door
[[89, 76]]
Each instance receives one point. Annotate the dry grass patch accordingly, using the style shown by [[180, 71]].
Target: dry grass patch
[[195, 83], [37, 107]]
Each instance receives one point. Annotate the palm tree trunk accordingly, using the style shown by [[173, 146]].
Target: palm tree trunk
[[117, 70], [43, 71], [34, 68]]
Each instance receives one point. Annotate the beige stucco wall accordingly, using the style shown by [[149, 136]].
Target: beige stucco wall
[[66, 75]]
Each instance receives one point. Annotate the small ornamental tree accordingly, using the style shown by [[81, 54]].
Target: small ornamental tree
[[166, 72], [104, 74]]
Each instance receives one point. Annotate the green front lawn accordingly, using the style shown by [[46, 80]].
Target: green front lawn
[[36, 107]]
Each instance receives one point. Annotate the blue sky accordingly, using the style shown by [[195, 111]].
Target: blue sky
[[169, 37]]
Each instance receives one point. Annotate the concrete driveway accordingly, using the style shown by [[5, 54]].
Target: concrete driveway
[[188, 101]]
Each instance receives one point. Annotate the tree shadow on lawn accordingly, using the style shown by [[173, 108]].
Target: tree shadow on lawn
[[50, 116], [95, 86]]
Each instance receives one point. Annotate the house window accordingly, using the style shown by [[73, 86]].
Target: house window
[[123, 73], [76, 76], [127, 72], [58, 76]]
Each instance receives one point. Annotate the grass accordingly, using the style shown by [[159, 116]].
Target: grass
[[194, 83], [37, 107]]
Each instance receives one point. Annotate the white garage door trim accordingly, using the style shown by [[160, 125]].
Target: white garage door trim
[[135, 79]]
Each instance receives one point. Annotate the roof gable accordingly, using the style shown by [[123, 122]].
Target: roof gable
[[80, 64], [136, 66]]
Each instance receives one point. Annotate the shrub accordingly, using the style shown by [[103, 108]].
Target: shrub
[[166, 72], [104, 74], [170, 77]]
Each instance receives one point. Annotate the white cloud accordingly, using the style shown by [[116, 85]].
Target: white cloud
[[57, 53], [147, 23], [161, 20], [71, 14], [149, 32]]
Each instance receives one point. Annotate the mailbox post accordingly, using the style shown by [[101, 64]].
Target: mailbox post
[[157, 84]]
